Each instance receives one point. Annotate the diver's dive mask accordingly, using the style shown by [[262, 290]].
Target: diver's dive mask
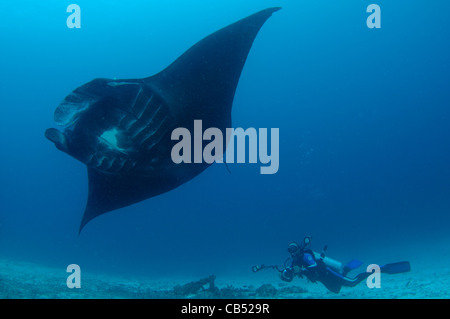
[[293, 248]]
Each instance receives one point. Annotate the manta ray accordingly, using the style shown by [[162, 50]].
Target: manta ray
[[121, 128]]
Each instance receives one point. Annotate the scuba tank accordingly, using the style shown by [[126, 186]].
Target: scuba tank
[[329, 262]]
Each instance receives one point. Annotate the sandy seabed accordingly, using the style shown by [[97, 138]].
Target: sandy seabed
[[24, 280]]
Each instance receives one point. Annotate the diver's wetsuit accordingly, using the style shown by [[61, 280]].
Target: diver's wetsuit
[[316, 270]]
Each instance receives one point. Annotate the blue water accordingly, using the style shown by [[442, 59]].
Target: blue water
[[364, 135]]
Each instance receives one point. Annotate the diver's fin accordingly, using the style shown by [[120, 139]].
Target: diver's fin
[[396, 268]]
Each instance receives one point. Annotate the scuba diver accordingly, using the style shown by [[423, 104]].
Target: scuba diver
[[319, 268]]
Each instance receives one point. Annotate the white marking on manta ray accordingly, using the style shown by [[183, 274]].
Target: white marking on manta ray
[[89, 160], [136, 98], [152, 132], [106, 164], [125, 121], [109, 162], [112, 83], [110, 138], [68, 111], [119, 163], [100, 161], [138, 115], [145, 124], [94, 160], [150, 120]]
